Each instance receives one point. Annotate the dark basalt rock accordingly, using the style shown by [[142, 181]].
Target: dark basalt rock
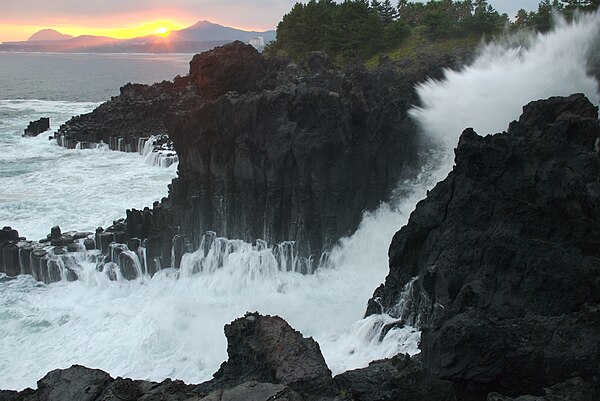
[[267, 349], [8, 395], [127, 120], [506, 252], [8, 234], [75, 383], [9, 252], [253, 391], [267, 149], [297, 157], [397, 379], [37, 127], [236, 67], [10, 256], [55, 233], [575, 389]]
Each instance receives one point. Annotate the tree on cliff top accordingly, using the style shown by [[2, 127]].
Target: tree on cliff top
[[352, 30]]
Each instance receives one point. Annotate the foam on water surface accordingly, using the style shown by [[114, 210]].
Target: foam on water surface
[[44, 184]]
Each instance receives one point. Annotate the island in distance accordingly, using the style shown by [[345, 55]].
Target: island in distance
[[199, 37]]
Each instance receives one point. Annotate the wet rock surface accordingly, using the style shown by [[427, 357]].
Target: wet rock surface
[[297, 154], [399, 378], [267, 149], [37, 127], [9, 252], [506, 254], [125, 121], [236, 67], [267, 349], [505, 250]]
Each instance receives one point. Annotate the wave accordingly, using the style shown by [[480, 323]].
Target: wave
[[47, 106]]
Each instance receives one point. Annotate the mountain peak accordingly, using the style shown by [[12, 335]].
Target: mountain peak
[[206, 30], [48, 34], [202, 23]]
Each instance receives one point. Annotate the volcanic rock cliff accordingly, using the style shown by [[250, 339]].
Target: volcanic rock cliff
[[267, 149], [299, 161], [506, 252]]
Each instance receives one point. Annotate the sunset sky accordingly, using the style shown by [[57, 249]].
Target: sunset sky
[[125, 19]]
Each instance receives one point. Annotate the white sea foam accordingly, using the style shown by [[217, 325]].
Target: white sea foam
[[44, 184], [491, 92], [48, 106], [172, 325]]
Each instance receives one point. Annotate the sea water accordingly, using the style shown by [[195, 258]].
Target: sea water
[[172, 324], [42, 184]]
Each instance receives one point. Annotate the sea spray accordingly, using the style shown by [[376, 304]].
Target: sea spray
[[171, 325], [507, 75]]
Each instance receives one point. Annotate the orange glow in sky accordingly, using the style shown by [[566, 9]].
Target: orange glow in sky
[[19, 32], [160, 27], [21, 19]]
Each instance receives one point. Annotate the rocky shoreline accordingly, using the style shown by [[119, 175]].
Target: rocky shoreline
[[268, 360], [499, 266], [509, 312], [267, 149], [274, 153]]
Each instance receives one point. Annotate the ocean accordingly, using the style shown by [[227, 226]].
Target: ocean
[[171, 325], [45, 185]]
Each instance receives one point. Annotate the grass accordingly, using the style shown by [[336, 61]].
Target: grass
[[419, 43]]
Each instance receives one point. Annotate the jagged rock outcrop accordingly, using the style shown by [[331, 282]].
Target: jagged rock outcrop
[[296, 163], [125, 120], [37, 127], [266, 349], [506, 252], [236, 67], [49, 259], [79, 383], [9, 252], [399, 378], [267, 149], [288, 156]]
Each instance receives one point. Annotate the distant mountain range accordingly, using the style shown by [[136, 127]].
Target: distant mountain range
[[201, 36]]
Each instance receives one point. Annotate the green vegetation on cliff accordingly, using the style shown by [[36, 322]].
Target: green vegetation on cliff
[[355, 30], [359, 30]]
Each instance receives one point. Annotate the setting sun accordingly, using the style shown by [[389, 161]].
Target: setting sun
[[162, 31]]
